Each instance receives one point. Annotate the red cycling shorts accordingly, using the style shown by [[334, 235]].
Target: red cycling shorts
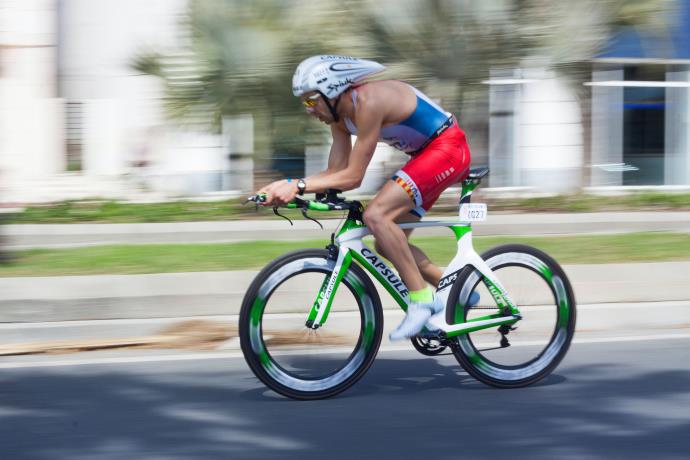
[[442, 163]]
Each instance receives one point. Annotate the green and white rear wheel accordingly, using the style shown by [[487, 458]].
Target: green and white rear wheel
[[541, 291], [293, 359]]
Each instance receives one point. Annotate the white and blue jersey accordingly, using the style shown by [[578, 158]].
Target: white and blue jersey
[[413, 133]]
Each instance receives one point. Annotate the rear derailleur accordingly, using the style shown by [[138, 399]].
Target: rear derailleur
[[504, 330]]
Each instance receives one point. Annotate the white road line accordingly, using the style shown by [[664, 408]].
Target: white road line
[[238, 354], [632, 338]]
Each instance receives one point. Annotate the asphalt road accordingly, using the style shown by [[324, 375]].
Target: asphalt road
[[608, 399]]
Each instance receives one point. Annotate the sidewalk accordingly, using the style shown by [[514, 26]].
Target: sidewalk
[[36, 299], [68, 235]]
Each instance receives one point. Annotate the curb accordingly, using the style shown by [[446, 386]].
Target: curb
[[220, 293]]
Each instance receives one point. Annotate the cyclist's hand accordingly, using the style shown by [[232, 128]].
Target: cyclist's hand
[[279, 192]]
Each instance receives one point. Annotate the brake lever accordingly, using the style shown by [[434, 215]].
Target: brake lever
[[256, 199], [304, 213], [275, 211], [256, 203]]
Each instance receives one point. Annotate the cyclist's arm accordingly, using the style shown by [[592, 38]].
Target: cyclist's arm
[[369, 121], [282, 191], [340, 151]]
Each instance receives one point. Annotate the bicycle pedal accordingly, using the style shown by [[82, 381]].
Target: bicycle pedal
[[436, 334]]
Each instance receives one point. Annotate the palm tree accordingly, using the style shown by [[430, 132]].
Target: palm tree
[[240, 55], [239, 59], [451, 46], [457, 42]]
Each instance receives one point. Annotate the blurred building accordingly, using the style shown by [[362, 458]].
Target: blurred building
[[535, 133], [77, 121], [632, 132], [641, 107], [31, 127]]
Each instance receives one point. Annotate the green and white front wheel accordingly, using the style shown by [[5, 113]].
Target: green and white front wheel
[[293, 359], [536, 284]]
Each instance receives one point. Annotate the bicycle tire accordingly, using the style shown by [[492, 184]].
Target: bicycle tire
[[267, 366], [544, 271]]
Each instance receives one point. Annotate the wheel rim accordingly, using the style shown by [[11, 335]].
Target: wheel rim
[[271, 360], [558, 337]]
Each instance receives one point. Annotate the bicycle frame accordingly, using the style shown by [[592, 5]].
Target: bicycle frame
[[351, 247]]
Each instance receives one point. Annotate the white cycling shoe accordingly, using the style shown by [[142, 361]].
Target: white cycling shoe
[[418, 314], [416, 317]]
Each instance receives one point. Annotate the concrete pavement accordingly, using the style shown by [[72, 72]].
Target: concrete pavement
[[69, 235], [21, 342]]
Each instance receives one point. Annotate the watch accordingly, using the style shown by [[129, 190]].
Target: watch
[[301, 187]]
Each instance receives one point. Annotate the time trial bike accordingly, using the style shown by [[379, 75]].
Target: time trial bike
[[311, 322]]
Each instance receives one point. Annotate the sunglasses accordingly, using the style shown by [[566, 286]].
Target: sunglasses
[[311, 101]]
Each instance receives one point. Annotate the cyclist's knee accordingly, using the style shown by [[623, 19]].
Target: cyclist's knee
[[373, 216]]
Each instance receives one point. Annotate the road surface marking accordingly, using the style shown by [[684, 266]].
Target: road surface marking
[[238, 354]]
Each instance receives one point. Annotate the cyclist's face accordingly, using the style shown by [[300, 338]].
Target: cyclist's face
[[316, 107]]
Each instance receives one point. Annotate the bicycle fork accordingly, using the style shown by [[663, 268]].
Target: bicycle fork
[[322, 305]]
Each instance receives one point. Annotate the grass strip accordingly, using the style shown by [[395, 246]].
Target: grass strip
[[168, 258], [95, 211], [103, 211]]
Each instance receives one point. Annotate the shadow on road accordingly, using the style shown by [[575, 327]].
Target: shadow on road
[[407, 408]]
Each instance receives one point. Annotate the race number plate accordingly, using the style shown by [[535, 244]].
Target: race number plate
[[473, 212]]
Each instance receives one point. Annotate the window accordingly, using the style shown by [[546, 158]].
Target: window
[[644, 110]]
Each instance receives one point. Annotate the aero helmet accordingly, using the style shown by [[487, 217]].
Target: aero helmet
[[331, 75]]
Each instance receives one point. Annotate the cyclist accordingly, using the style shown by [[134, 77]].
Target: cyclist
[[333, 89]]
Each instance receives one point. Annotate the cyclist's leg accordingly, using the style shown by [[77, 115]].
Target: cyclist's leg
[[443, 163], [389, 205], [415, 188], [430, 272]]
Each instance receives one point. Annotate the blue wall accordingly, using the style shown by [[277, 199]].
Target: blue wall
[[672, 43]]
